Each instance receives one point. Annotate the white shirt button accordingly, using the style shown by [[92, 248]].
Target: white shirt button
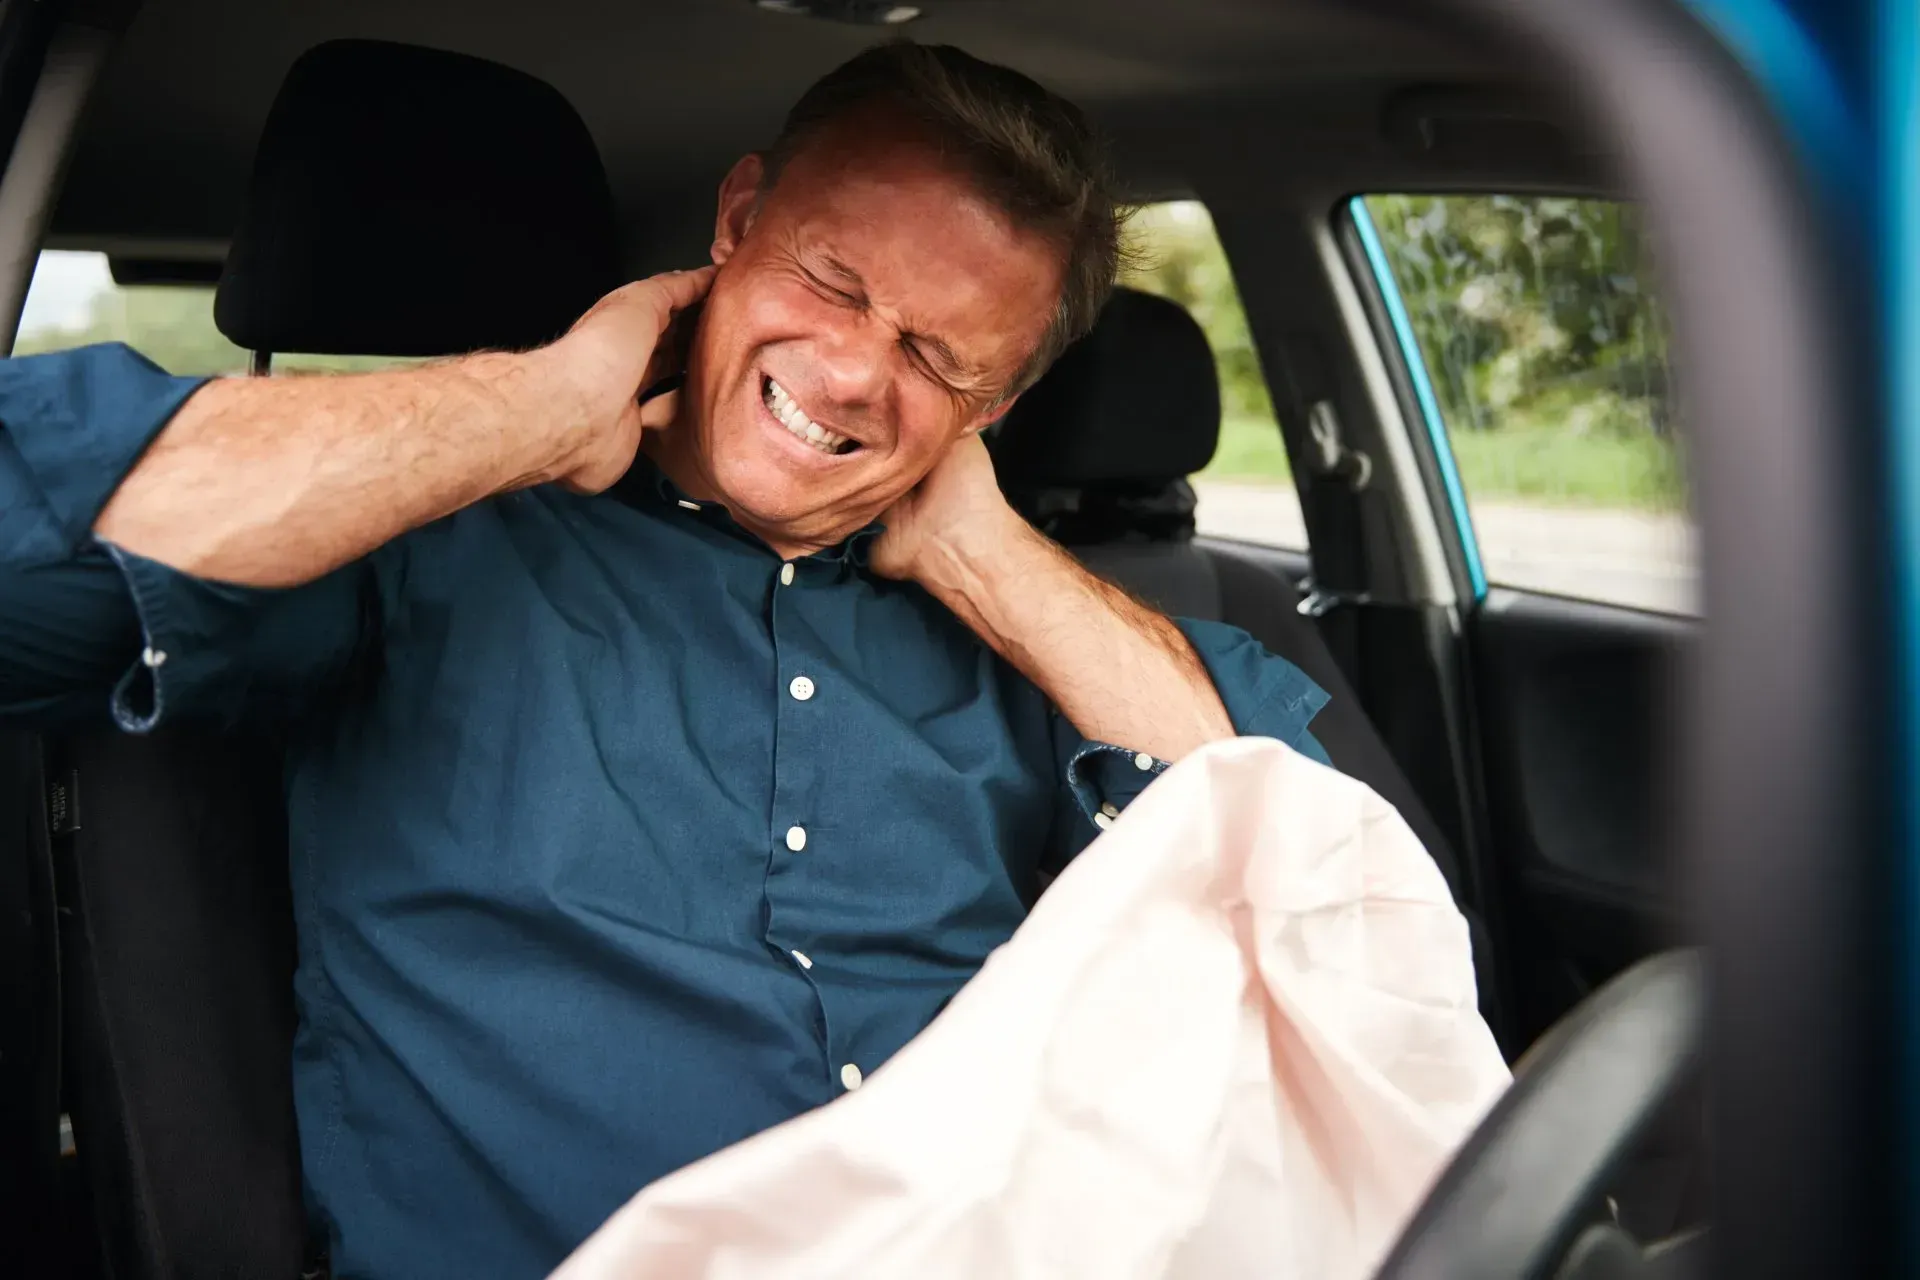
[[1143, 762], [1102, 821], [801, 688], [800, 958], [1110, 810], [786, 574], [153, 657], [850, 1076], [796, 838], [691, 506]]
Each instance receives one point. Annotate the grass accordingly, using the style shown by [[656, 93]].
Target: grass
[[1249, 449], [1543, 465], [1557, 467]]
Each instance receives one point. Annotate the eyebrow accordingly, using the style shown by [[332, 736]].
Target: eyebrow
[[935, 345]]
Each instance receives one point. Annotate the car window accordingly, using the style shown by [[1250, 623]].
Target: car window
[[73, 301], [1247, 490], [1545, 345]]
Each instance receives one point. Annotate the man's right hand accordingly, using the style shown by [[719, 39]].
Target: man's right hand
[[615, 351], [272, 482]]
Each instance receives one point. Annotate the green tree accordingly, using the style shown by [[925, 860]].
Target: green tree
[[1545, 341], [1527, 306]]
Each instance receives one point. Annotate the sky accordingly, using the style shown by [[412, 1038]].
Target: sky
[[64, 286]]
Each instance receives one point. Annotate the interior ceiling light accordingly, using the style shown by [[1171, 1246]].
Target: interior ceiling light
[[866, 13]]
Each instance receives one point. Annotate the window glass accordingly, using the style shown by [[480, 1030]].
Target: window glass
[[1247, 490], [73, 302], [1546, 346]]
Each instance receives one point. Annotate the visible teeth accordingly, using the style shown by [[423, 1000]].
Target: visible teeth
[[781, 405]]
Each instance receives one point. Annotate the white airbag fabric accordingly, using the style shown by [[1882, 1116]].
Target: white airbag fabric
[[1237, 1038]]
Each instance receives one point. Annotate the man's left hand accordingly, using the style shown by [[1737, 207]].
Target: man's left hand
[[957, 507], [1118, 670]]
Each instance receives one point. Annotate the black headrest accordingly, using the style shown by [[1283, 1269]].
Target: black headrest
[[1135, 402], [412, 202]]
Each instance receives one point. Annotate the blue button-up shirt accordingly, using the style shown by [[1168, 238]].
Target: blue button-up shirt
[[614, 839]]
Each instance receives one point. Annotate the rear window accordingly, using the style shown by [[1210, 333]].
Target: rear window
[[1247, 490], [74, 302]]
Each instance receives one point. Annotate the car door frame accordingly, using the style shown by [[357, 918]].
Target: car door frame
[[1576, 825], [1789, 815]]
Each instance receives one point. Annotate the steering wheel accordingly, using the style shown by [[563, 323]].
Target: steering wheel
[[1517, 1195]]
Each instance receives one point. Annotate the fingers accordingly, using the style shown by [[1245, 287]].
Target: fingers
[[659, 412], [627, 343], [659, 297], [681, 289]]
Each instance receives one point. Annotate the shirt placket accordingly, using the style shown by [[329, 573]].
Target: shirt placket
[[796, 834]]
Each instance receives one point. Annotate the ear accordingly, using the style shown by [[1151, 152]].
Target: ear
[[987, 417], [739, 205]]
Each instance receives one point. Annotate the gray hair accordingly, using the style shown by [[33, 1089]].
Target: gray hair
[[1030, 151]]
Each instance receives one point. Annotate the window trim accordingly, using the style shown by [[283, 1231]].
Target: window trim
[[1369, 330], [1419, 382]]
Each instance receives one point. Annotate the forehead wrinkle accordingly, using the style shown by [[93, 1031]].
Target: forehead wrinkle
[[833, 266]]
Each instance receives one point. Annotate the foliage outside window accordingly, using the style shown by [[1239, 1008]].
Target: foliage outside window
[[1543, 337], [1545, 344]]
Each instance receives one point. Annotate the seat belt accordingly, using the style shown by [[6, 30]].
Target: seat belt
[[30, 1139], [1334, 475]]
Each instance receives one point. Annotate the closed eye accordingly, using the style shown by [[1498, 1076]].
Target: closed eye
[[919, 359], [927, 366], [837, 295]]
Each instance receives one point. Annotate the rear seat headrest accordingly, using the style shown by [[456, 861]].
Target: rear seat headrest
[[1135, 402], [413, 202]]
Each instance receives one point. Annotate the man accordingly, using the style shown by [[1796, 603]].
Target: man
[[625, 826]]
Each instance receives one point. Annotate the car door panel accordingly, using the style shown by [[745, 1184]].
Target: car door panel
[[1575, 712]]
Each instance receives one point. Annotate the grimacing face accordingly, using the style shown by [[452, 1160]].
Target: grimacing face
[[870, 310]]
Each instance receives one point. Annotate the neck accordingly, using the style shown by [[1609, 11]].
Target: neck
[[672, 450], [667, 450]]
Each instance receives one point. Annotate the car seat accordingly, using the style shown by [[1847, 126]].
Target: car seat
[[404, 202], [1098, 455]]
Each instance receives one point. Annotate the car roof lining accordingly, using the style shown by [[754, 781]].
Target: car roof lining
[[673, 92]]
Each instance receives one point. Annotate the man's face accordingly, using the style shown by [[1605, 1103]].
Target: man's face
[[870, 309]]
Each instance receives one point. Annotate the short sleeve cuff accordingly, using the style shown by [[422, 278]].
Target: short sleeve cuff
[[1265, 696], [1106, 778]]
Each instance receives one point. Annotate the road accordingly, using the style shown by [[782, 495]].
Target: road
[[1633, 558]]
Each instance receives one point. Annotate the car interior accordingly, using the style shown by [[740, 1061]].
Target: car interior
[[420, 178]]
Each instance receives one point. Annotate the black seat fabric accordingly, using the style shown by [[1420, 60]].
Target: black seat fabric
[[177, 948], [177, 929], [410, 202], [1097, 454]]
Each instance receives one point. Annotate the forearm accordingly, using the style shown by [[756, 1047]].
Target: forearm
[[272, 482], [1119, 671]]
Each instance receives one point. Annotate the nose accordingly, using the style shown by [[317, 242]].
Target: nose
[[854, 362]]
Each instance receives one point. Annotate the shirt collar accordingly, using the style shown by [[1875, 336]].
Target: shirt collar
[[646, 484]]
